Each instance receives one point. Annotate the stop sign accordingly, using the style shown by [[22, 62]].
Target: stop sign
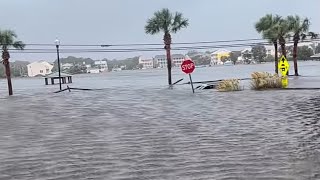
[[187, 66]]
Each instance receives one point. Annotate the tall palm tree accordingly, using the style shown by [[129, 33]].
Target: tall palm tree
[[300, 30], [166, 22], [265, 26], [8, 39]]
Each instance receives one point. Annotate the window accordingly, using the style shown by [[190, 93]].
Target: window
[[47, 70], [41, 71]]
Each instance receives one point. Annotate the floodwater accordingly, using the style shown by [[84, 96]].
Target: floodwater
[[134, 127]]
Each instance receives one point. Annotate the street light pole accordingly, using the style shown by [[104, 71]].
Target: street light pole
[[57, 46]]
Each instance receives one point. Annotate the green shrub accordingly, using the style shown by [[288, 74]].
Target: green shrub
[[264, 80], [229, 85]]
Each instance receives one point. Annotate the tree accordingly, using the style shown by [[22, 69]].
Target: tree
[[304, 53], [247, 56], [269, 58], [7, 40], [282, 29], [265, 26], [299, 29], [224, 58], [140, 66], [234, 56], [200, 60], [77, 69], [259, 53], [192, 53], [166, 22]]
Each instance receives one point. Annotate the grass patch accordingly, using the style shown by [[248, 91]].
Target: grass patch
[[264, 80], [229, 85]]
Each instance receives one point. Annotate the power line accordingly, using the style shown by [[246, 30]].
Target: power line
[[144, 44], [139, 49], [140, 44]]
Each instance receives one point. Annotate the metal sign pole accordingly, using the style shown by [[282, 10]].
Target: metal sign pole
[[191, 83]]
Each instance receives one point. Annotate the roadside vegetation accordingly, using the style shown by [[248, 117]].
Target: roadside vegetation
[[265, 80], [229, 85]]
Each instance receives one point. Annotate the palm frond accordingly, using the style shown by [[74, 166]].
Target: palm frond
[[153, 26], [164, 18], [18, 45], [305, 25], [179, 22], [270, 35], [303, 36], [267, 22], [7, 38], [313, 35]]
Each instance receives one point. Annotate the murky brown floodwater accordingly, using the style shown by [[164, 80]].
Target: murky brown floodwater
[[128, 132]]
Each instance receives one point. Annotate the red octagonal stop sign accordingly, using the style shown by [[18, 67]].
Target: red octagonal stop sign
[[187, 66]]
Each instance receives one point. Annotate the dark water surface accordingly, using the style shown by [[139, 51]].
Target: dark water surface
[[136, 128]]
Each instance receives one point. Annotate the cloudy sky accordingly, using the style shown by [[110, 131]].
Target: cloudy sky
[[123, 21]]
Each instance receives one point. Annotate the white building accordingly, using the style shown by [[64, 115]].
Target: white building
[[147, 63], [39, 68], [66, 66], [176, 59], [93, 70], [103, 65], [270, 50]]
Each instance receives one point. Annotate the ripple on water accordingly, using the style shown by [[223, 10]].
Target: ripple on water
[[160, 134]]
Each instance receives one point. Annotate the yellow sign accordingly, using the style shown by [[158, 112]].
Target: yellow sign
[[285, 82], [283, 65]]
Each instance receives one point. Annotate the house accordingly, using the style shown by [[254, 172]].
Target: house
[[147, 63], [86, 65], [270, 51], [176, 60], [66, 66], [217, 56], [39, 68], [102, 65]]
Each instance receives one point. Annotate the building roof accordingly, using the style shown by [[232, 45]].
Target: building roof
[[145, 58], [160, 57], [40, 62], [56, 74], [172, 56], [100, 62], [221, 51]]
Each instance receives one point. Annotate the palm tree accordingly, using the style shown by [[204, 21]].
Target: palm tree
[[299, 29], [166, 22], [7, 39], [266, 26], [283, 30]]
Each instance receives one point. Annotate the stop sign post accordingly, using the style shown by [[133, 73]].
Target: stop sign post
[[188, 67]]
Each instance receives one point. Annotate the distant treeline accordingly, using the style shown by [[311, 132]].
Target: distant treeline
[[129, 63]]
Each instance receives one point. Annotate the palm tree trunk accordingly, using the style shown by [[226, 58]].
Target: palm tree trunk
[[295, 62], [5, 57], [167, 42], [275, 56], [283, 49]]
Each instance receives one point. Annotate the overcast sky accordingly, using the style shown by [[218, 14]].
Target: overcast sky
[[123, 21]]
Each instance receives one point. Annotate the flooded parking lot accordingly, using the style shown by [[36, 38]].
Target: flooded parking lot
[[136, 128]]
